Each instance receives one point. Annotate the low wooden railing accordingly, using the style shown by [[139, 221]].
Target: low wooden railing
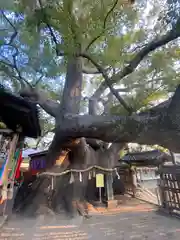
[[169, 188]]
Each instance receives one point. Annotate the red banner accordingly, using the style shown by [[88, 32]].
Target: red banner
[[18, 172]]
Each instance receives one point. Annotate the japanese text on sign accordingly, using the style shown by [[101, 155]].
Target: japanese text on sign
[[99, 180]]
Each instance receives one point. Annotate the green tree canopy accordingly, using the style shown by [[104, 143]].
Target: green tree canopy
[[129, 49]]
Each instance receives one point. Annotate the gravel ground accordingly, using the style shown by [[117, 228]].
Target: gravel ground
[[127, 225]]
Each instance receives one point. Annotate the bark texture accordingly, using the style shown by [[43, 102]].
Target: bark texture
[[140, 128], [95, 131]]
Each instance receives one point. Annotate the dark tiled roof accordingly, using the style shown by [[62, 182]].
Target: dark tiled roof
[[156, 109], [16, 111], [148, 157]]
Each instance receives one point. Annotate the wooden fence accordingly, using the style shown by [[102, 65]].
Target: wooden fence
[[126, 178], [169, 188]]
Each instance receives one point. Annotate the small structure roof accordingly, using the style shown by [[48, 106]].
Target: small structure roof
[[39, 153], [15, 111], [30, 151], [145, 158]]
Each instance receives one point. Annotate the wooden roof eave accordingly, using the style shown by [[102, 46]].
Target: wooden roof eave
[[23, 112], [5, 131]]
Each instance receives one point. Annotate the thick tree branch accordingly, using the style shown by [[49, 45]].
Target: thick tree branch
[[44, 135], [107, 104], [170, 36], [40, 97], [108, 82], [136, 128], [94, 143], [104, 26], [153, 45], [115, 148], [108, 128], [91, 70], [87, 70]]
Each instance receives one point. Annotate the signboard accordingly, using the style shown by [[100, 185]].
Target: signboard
[[99, 180], [37, 164]]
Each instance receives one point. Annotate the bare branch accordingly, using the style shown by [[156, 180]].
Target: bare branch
[[14, 28], [50, 29], [6, 63], [153, 45], [43, 135], [91, 70], [14, 65], [108, 82], [10, 43], [38, 81], [138, 47], [170, 36], [104, 26]]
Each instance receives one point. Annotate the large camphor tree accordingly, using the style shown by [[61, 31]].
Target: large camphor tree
[[95, 67]]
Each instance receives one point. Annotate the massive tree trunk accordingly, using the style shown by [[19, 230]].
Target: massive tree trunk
[[89, 129], [158, 126], [70, 191], [140, 128], [81, 155]]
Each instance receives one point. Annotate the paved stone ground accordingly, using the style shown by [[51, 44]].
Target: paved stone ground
[[135, 225]]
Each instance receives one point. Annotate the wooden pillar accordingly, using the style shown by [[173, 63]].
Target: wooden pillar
[[111, 202], [109, 187], [134, 181], [162, 193]]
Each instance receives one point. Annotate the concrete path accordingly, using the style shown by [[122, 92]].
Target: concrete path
[[136, 225]]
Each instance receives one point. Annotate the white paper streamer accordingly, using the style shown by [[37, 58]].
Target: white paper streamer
[[117, 174], [52, 183], [94, 173], [71, 178], [89, 176], [80, 177]]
